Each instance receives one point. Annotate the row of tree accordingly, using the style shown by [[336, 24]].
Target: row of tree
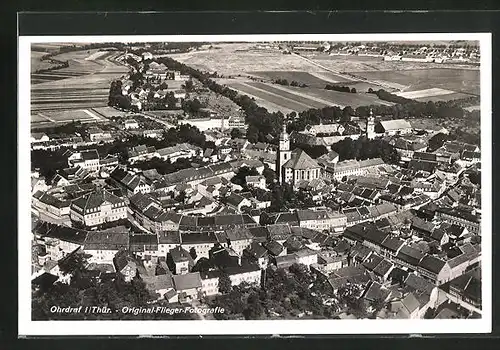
[[340, 88], [292, 83]]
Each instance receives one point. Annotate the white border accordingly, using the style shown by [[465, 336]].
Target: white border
[[35, 328]]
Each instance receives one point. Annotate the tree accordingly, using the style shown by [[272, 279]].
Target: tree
[[240, 177], [236, 133], [269, 174], [192, 252], [224, 283], [73, 263], [353, 90], [203, 265]]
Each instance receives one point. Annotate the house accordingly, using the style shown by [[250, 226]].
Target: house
[[210, 282], [257, 254], [97, 134], [352, 167], [88, 159], [181, 260], [237, 201], [393, 127], [306, 257], [200, 242], [460, 217], [322, 220], [258, 181], [130, 124], [51, 204], [408, 257], [251, 274], [125, 264], [238, 239], [356, 275], [407, 307], [188, 285], [132, 183], [180, 151], [144, 245], [161, 284], [466, 290], [434, 269], [406, 149], [274, 248], [39, 137], [141, 152], [168, 240], [98, 207], [103, 246]]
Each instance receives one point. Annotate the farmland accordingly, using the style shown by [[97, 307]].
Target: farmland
[[288, 98], [456, 80], [84, 84], [313, 79], [51, 118]]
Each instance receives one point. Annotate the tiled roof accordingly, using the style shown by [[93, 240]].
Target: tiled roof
[[187, 281], [301, 161]]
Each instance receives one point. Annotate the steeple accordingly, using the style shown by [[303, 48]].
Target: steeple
[[370, 125], [284, 153]]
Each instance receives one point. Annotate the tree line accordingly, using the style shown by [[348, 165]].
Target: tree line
[[340, 88]]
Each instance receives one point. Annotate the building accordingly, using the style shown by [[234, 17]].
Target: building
[[322, 220], [141, 152], [200, 242], [51, 204], [88, 159], [300, 167], [125, 264], [132, 183], [98, 207], [39, 137], [251, 274], [352, 167], [370, 126], [236, 123], [394, 127], [283, 155], [180, 260], [183, 150], [470, 220], [104, 246], [130, 124], [258, 181], [97, 135], [188, 286]]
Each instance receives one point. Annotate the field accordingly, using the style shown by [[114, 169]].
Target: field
[[54, 118], [84, 84], [243, 58], [287, 98], [456, 80], [37, 63], [313, 79]]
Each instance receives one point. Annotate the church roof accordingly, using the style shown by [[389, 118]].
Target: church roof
[[301, 161]]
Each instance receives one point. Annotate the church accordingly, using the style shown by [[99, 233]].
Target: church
[[294, 166]]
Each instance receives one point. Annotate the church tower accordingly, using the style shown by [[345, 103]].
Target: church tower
[[283, 155], [370, 126]]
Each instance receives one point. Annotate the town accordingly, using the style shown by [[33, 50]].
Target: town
[[265, 195]]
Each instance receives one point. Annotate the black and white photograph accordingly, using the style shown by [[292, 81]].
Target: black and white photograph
[[260, 184]]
